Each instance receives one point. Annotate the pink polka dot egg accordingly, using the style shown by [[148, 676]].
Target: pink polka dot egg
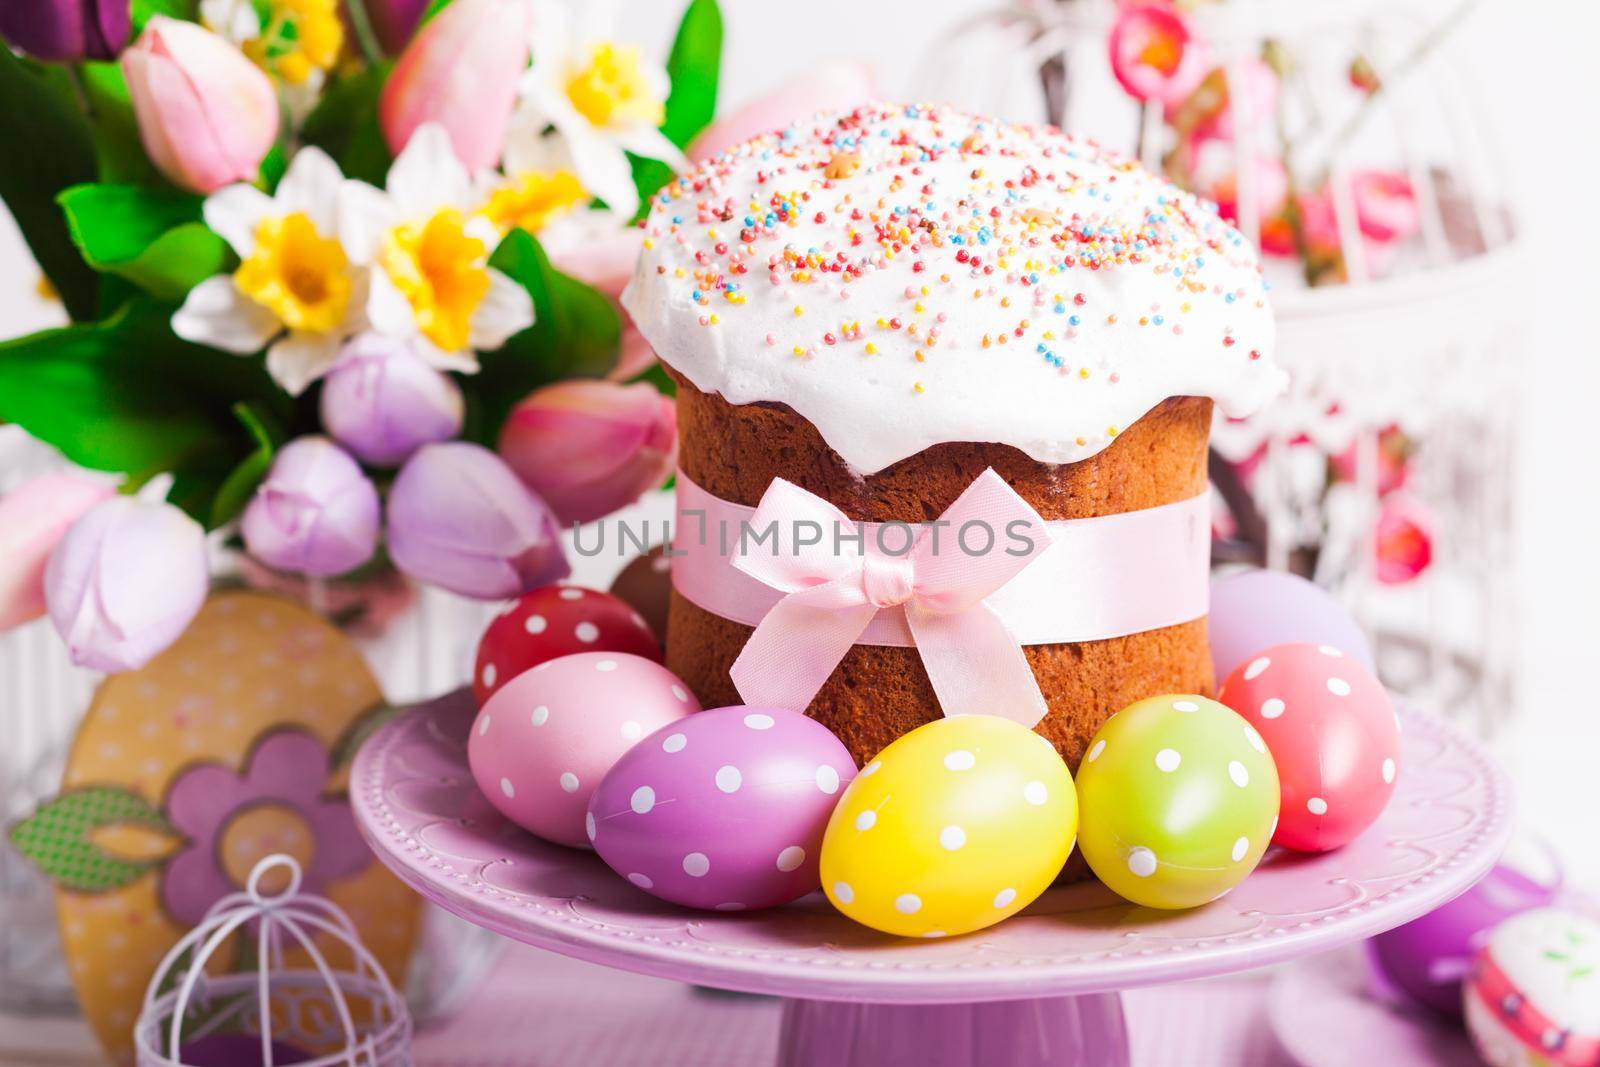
[[724, 810], [546, 738], [1333, 734]]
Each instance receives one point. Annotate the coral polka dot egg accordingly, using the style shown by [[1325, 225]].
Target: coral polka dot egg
[[1532, 998], [723, 810], [1332, 731], [555, 621], [542, 743], [953, 827], [1178, 797]]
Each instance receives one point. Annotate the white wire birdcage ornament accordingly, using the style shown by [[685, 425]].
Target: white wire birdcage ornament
[[310, 1007], [1424, 344]]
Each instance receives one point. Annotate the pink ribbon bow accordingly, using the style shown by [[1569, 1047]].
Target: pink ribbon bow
[[837, 582]]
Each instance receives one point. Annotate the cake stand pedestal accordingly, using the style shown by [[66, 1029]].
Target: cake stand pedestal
[[1040, 988]]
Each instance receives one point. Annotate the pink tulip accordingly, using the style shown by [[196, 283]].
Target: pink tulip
[[1156, 56], [461, 70], [460, 519], [589, 448], [207, 115], [1403, 541], [33, 518], [1386, 206], [316, 513], [831, 86], [125, 582]]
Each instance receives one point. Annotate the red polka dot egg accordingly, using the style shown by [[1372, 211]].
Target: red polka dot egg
[[724, 810], [544, 741], [555, 621], [1333, 733]]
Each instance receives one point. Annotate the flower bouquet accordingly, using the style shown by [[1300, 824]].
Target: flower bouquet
[[341, 278]]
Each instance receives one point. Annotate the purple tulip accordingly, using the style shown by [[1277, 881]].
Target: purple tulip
[[316, 513], [458, 518], [383, 402], [125, 582], [66, 29]]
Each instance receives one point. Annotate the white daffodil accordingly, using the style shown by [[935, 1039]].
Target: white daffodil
[[297, 41], [295, 288], [541, 186], [429, 252], [600, 96]]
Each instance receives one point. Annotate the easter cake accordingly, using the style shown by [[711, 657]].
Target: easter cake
[[881, 305]]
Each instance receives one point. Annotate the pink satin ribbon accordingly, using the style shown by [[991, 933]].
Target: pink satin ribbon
[[961, 603]]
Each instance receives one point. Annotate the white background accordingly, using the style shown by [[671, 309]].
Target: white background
[[1541, 78]]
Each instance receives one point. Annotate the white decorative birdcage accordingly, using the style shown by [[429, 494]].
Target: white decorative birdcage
[[339, 1018], [1417, 349]]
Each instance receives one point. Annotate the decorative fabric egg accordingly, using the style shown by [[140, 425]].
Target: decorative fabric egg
[[1178, 798], [1256, 609], [1533, 997], [953, 827], [542, 743], [1427, 958], [723, 810], [555, 621], [1333, 733]]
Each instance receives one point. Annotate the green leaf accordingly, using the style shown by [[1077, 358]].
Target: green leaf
[[575, 333], [153, 238], [657, 376], [345, 125], [46, 149], [128, 395], [695, 66], [432, 9], [119, 154], [240, 484], [144, 10], [57, 837]]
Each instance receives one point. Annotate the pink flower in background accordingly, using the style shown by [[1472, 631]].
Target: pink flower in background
[[830, 86], [461, 71], [1241, 98], [1155, 54], [33, 518], [1386, 205], [316, 512], [1403, 540], [1215, 176], [460, 519], [125, 581], [589, 447], [1393, 453], [207, 115], [287, 770]]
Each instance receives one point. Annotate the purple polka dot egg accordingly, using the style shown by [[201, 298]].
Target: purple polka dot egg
[[724, 810], [544, 740]]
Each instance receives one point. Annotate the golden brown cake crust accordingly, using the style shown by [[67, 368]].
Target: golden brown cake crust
[[878, 693]]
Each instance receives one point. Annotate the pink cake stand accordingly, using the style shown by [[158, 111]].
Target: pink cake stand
[[1040, 988]]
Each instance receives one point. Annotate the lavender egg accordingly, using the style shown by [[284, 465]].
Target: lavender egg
[[723, 810], [1256, 609]]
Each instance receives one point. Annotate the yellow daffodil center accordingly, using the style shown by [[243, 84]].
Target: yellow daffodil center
[[298, 274], [300, 38], [612, 91], [533, 198], [442, 271]]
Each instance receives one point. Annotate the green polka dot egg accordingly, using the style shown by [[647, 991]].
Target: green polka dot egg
[[953, 827], [1179, 798]]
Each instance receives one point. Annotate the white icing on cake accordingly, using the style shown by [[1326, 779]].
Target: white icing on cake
[[904, 276]]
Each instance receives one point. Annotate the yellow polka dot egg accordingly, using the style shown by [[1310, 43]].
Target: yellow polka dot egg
[[952, 828], [1179, 799]]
